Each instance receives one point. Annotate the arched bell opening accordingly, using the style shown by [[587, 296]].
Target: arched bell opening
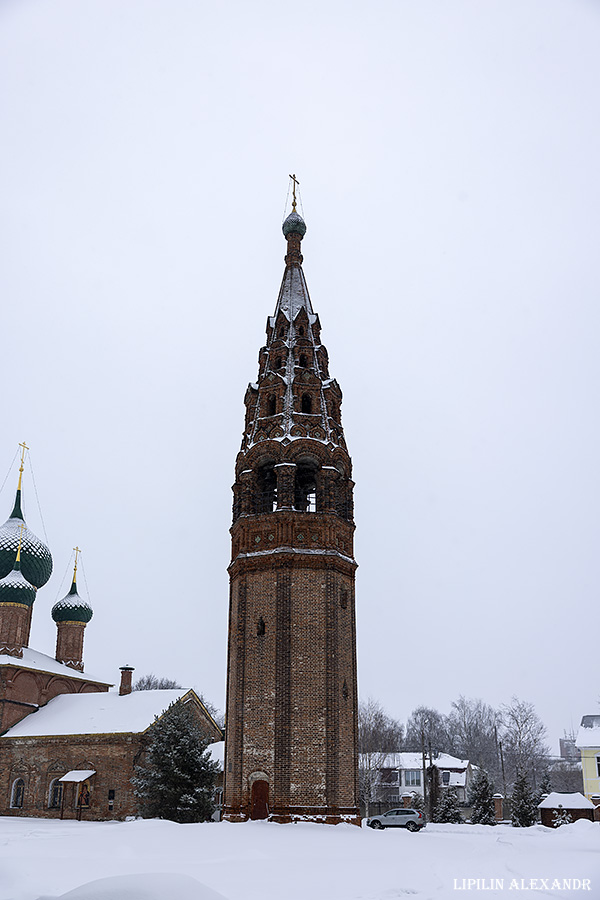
[[266, 489], [305, 488], [306, 404]]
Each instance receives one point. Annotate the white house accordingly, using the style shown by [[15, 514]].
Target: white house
[[398, 773]]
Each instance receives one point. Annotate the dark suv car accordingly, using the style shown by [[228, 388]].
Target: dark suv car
[[398, 818]]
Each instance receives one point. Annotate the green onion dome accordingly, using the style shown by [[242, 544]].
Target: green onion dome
[[72, 608], [36, 561], [294, 224], [14, 588]]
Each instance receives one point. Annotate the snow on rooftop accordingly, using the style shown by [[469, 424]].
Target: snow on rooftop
[[589, 732], [217, 752], [102, 713], [415, 761], [40, 662], [568, 801]]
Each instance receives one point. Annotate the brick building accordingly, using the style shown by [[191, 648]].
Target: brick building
[[68, 746], [291, 735], [75, 757]]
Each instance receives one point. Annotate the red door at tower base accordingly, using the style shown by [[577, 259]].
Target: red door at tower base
[[260, 800]]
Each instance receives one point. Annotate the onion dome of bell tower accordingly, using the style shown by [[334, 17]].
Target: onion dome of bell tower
[[36, 560], [14, 588], [294, 224], [72, 607]]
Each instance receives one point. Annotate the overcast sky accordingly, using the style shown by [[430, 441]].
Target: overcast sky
[[447, 152]]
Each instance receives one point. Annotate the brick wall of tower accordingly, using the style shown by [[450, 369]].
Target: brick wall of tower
[[292, 689], [69, 644]]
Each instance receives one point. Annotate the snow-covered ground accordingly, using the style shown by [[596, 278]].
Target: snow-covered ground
[[156, 860]]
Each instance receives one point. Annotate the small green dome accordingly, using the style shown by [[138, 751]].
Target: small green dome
[[36, 561], [72, 608], [294, 224], [14, 588]]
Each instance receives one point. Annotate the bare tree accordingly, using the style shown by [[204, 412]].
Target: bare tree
[[377, 732], [152, 682], [378, 735], [524, 740], [567, 777], [429, 726], [472, 732]]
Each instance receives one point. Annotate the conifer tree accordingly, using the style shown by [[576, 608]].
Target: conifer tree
[[447, 808], [561, 817], [524, 810], [481, 799], [545, 787], [177, 779]]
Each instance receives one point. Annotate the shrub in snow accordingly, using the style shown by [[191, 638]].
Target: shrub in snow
[[524, 811], [561, 817], [177, 778], [481, 799], [447, 808], [417, 801]]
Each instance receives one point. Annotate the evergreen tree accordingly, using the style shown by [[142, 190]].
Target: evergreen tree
[[178, 777], [524, 810], [481, 799], [417, 801], [545, 787], [447, 808], [561, 817]]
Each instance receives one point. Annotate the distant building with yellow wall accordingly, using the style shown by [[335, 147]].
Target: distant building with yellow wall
[[588, 742]]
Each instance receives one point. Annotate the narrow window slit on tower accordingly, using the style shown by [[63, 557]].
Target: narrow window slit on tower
[[306, 403], [260, 627], [303, 360], [272, 405]]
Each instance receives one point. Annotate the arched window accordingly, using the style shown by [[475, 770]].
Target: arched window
[[303, 360], [301, 331], [278, 362], [260, 627], [272, 405], [306, 403], [266, 488], [305, 493], [55, 794], [282, 332], [18, 794]]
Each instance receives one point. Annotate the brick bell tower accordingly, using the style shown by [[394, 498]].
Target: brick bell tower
[[291, 734]]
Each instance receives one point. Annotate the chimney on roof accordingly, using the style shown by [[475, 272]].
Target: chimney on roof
[[126, 673]]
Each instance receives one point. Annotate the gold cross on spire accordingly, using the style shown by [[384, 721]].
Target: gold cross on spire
[[295, 181], [23, 447]]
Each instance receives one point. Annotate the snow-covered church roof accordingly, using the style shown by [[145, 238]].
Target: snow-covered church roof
[[98, 713], [40, 662]]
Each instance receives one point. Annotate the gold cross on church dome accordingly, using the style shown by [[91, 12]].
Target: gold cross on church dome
[[295, 182]]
